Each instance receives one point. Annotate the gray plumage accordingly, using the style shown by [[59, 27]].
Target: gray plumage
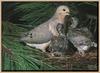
[[41, 36], [59, 46], [81, 38], [38, 35]]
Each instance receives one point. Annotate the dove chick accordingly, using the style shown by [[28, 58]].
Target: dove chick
[[81, 38], [40, 37]]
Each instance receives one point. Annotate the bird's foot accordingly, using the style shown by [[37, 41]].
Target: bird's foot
[[57, 54]]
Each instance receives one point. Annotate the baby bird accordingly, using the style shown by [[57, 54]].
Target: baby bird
[[40, 37], [81, 38]]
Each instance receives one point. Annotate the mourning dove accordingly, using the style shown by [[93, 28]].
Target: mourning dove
[[81, 38], [40, 37]]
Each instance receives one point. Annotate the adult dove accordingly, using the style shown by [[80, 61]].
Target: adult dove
[[40, 37]]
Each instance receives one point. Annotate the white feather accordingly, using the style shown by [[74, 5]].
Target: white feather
[[40, 46]]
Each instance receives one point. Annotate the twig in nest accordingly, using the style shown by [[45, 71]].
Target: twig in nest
[[56, 58]]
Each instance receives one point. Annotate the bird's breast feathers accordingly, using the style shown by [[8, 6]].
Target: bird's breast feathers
[[53, 28]]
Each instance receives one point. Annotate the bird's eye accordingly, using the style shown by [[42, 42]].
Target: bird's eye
[[64, 10]]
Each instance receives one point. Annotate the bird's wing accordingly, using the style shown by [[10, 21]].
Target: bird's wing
[[86, 32], [78, 39], [40, 34]]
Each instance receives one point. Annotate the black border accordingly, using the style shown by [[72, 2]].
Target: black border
[[54, 70]]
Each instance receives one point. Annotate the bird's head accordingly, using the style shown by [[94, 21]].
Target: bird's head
[[63, 10]]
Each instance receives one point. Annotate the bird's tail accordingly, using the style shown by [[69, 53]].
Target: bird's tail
[[94, 44]]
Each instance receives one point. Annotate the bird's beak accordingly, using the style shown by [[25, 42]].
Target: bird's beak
[[67, 13], [67, 18]]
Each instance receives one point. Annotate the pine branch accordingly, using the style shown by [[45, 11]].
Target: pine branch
[[7, 50], [24, 26]]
